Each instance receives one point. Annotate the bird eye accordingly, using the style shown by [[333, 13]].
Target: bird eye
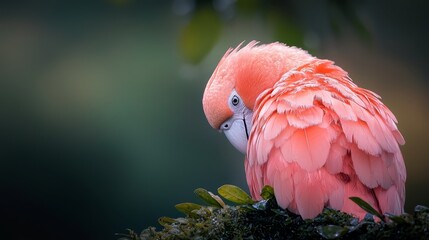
[[235, 100]]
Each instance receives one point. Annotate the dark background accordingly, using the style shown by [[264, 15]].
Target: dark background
[[101, 120]]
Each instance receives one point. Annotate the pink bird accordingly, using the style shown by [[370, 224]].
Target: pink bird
[[307, 130]]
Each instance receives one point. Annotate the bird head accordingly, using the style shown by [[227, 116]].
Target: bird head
[[240, 77]]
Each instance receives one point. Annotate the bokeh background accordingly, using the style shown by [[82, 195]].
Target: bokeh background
[[101, 120]]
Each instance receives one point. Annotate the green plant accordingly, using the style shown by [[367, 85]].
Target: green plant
[[248, 219]]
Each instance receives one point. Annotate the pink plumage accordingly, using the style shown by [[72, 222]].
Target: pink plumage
[[316, 137]]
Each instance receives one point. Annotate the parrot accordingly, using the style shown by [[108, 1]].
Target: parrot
[[307, 130]]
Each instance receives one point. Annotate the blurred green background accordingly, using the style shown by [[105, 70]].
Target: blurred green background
[[102, 126]]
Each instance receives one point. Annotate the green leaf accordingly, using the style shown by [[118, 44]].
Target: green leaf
[[267, 192], [396, 219], [367, 207], [164, 221], [331, 231], [234, 194], [187, 208], [209, 198]]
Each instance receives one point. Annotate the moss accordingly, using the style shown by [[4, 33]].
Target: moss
[[265, 220]]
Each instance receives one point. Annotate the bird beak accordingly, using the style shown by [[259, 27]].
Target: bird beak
[[237, 130]]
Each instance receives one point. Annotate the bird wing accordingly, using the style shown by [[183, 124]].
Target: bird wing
[[318, 139]]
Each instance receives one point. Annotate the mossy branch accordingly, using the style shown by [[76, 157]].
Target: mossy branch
[[266, 220]]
